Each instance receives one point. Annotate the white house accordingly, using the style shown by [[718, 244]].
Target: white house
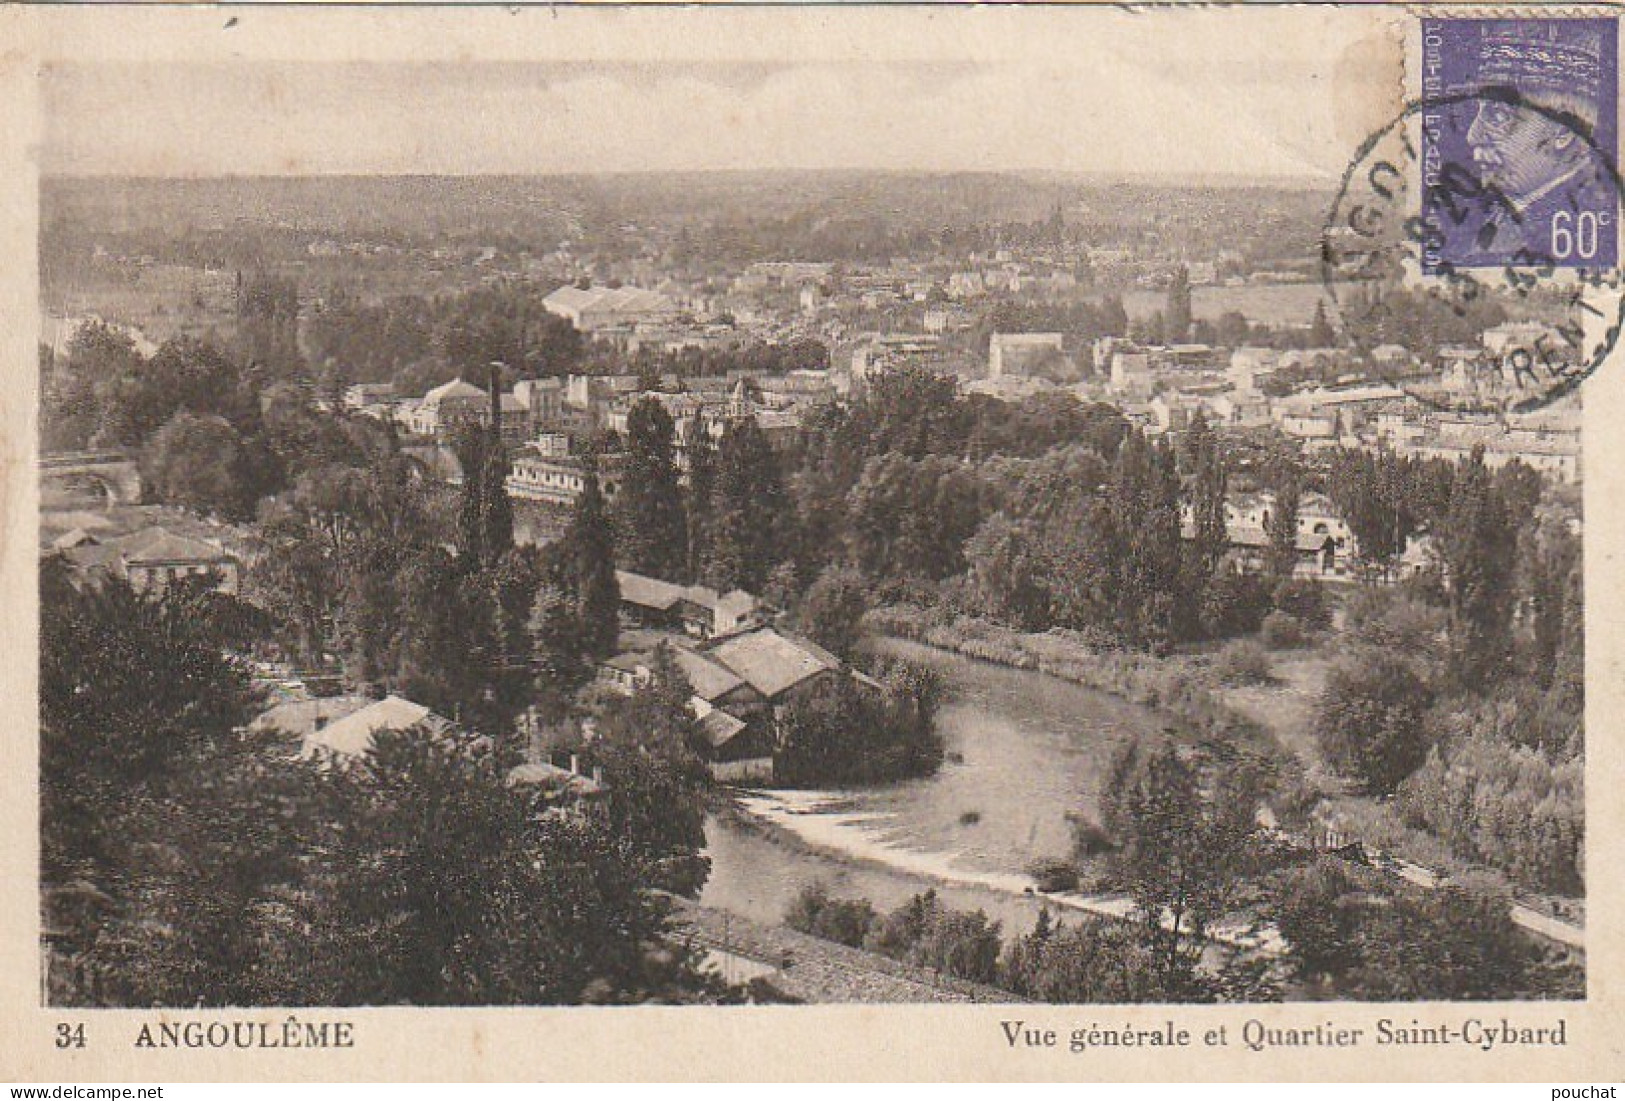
[[594, 309], [1021, 353]]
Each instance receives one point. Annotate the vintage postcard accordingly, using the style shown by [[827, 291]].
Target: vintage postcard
[[812, 543]]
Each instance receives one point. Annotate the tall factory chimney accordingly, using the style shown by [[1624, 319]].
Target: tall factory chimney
[[496, 401]]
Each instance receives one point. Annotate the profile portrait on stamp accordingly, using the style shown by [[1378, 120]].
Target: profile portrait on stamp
[[1517, 154], [630, 550]]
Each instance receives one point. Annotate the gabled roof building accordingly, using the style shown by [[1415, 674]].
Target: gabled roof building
[[352, 736], [151, 559], [594, 309]]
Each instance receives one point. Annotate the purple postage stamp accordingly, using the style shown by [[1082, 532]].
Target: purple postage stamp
[[1519, 140]]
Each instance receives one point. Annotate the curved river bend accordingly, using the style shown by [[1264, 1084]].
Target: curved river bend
[[1025, 751]]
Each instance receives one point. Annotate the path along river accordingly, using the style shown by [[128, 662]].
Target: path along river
[[1025, 750]]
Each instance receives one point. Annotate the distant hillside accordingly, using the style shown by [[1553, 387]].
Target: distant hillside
[[404, 207], [720, 216], [440, 206]]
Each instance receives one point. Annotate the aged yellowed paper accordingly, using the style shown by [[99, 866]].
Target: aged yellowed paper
[[811, 543]]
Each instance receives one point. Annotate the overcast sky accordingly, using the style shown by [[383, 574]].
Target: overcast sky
[[1273, 93]]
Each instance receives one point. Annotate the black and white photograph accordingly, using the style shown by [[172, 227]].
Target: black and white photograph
[[1091, 524]]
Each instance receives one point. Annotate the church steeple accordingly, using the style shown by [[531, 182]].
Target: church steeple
[[1057, 228]]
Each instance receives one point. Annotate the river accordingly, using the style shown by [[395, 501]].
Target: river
[[1025, 751]]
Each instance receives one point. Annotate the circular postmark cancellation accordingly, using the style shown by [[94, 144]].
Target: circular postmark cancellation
[[1477, 212]]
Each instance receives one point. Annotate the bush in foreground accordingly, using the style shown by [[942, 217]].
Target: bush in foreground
[[1283, 631], [1370, 720], [1243, 662], [1052, 876]]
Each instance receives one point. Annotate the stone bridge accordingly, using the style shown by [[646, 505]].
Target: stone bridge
[[113, 472]]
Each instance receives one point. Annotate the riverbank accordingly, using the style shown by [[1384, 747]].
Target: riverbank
[[814, 824], [801, 968], [1273, 720], [759, 867], [1151, 682], [1026, 755], [1286, 706], [1174, 690]]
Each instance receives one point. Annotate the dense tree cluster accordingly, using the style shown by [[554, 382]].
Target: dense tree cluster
[[485, 512], [832, 611], [188, 860], [1088, 961], [922, 932], [1511, 806], [209, 435], [729, 528], [1385, 500], [1504, 779], [1037, 424], [847, 731], [494, 904], [104, 393], [749, 524], [587, 570], [646, 747], [1184, 831], [1044, 513], [201, 463], [742, 356], [913, 517], [1281, 525], [652, 531], [267, 335], [1350, 936], [354, 567], [1461, 689], [418, 343], [1371, 719], [884, 485], [1422, 320], [1096, 539]]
